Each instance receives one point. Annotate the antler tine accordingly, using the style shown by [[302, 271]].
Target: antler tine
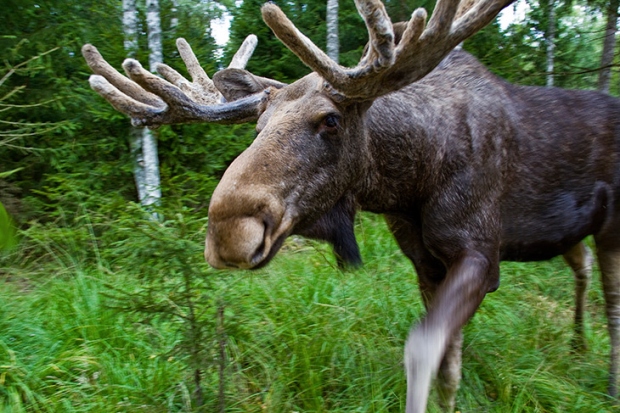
[[100, 67], [474, 19], [380, 32], [413, 31], [299, 44], [122, 102], [152, 101], [441, 20], [416, 55], [201, 88], [387, 67], [380, 54], [241, 58], [167, 91]]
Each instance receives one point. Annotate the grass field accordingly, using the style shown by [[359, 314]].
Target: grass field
[[300, 335]]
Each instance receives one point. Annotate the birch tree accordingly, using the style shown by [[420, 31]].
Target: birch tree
[[152, 187], [174, 11], [550, 39], [333, 44], [142, 141], [609, 45], [130, 29]]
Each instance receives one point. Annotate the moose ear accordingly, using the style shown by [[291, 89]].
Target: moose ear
[[235, 84]]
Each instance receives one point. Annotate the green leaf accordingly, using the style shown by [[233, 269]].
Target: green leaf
[[7, 230], [9, 173]]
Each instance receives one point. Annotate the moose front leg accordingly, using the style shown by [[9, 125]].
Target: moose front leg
[[453, 304], [449, 375]]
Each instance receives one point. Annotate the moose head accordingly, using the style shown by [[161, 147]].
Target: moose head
[[311, 153]]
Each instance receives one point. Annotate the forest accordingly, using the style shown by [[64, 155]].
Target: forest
[[106, 302]]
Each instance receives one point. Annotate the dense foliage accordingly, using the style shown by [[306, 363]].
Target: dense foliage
[[107, 310]]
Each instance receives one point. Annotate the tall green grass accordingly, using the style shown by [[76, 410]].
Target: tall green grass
[[301, 335], [62, 350]]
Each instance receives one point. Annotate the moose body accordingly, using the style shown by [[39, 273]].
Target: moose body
[[468, 169]]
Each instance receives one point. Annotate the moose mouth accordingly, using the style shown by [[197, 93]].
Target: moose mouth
[[245, 242], [261, 259]]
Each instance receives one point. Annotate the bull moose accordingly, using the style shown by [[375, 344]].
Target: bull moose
[[468, 169]]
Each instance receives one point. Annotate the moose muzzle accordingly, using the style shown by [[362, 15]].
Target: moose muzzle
[[247, 226]]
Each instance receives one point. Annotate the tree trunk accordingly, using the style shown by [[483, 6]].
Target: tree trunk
[[333, 45], [550, 38], [130, 29], [609, 44], [174, 11], [149, 143]]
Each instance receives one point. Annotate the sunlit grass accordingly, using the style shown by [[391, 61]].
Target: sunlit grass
[[302, 336]]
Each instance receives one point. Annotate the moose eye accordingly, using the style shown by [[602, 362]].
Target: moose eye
[[330, 124], [331, 121]]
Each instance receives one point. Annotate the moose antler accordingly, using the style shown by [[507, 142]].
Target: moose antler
[[152, 101], [387, 66]]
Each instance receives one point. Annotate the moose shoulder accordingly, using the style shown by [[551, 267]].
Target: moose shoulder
[[468, 169]]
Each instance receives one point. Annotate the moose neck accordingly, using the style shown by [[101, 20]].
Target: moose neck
[[404, 157]]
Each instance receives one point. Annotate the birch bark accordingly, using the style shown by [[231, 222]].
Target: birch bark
[[174, 11], [550, 37], [152, 188], [609, 44], [130, 30], [333, 44]]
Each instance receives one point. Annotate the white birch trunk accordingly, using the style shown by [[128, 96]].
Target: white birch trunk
[[609, 44], [333, 44], [149, 143], [135, 146], [550, 44], [130, 29], [174, 11], [153, 26]]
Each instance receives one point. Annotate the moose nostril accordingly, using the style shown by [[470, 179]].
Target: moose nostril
[[259, 253]]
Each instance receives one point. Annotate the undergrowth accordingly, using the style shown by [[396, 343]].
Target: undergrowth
[[126, 317]]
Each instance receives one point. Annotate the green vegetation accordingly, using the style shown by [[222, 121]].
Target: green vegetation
[[7, 230], [299, 336], [104, 310]]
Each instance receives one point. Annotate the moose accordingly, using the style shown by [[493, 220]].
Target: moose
[[467, 169]]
